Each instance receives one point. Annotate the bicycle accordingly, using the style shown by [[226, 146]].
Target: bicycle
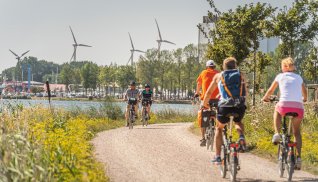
[[210, 130], [145, 115], [229, 152], [286, 148], [131, 115]]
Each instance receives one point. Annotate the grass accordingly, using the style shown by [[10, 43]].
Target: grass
[[42, 144]]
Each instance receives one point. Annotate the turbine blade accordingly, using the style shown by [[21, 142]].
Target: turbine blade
[[168, 42], [143, 58], [73, 35], [73, 54], [25, 53], [84, 45], [13, 53], [158, 30], [139, 51], [132, 44], [128, 60]]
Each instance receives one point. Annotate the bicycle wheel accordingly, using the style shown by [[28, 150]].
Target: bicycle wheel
[[223, 166], [147, 118], [143, 118], [233, 166], [207, 134], [131, 119], [290, 166], [280, 156], [212, 135]]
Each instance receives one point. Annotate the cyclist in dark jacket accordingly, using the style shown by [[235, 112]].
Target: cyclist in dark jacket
[[147, 97]]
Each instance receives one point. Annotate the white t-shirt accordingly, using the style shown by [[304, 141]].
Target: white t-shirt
[[290, 86]]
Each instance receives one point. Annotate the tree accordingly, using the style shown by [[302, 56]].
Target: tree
[[296, 25], [89, 75], [124, 75], [67, 75]]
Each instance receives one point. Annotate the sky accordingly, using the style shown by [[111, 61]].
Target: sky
[[42, 26]]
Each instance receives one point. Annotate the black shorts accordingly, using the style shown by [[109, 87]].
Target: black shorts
[[224, 111], [146, 102]]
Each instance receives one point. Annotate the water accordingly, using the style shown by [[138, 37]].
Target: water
[[68, 105]]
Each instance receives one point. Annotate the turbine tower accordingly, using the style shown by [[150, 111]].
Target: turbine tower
[[131, 59], [160, 40], [75, 45]]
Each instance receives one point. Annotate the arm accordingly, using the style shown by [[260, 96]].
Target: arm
[[210, 90], [270, 91], [244, 82], [125, 96], [199, 85], [304, 92]]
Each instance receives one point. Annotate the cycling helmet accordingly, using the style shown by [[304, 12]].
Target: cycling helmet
[[132, 83], [147, 85]]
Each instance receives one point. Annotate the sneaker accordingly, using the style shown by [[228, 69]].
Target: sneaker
[[217, 160], [203, 143], [298, 163], [276, 138], [202, 139]]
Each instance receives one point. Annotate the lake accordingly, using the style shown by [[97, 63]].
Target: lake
[[68, 105]]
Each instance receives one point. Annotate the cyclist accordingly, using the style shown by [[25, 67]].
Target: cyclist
[[146, 98], [292, 95], [203, 82], [232, 87], [131, 92]]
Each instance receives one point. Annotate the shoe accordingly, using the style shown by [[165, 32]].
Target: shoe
[[242, 144], [203, 143], [298, 163], [276, 138], [202, 139], [217, 160], [127, 124]]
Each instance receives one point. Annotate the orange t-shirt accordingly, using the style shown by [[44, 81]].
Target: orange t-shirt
[[205, 79]]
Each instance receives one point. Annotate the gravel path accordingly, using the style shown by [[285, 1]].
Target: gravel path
[[169, 152]]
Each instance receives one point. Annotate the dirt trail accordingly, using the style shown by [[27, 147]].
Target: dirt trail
[[169, 152]]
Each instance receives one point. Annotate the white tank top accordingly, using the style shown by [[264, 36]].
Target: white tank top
[[290, 86]]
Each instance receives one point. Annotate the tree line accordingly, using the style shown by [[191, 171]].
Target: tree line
[[237, 32]]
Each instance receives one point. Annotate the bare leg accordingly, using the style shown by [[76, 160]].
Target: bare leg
[[218, 138], [297, 135], [203, 129], [277, 121], [239, 128]]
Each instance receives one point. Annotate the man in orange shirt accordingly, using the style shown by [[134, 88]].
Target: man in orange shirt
[[203, 82]]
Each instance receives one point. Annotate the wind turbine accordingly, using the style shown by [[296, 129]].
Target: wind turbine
[[17, 56], [19, 59], [161, 40], [75, 45], [131, 59]]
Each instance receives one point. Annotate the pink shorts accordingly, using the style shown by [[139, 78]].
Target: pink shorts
[[284, 107]]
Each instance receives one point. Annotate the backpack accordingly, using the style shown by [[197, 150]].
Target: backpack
[[237, 102]]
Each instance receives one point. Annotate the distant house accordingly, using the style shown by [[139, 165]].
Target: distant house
[[56, 87]]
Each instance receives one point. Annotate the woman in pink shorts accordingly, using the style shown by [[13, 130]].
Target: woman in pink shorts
[[292, 95]]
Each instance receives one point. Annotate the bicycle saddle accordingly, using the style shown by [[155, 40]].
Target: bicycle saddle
[[232, 114], [293, 114]]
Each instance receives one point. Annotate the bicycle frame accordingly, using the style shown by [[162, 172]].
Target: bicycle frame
[[230, 159], [286, 149]]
